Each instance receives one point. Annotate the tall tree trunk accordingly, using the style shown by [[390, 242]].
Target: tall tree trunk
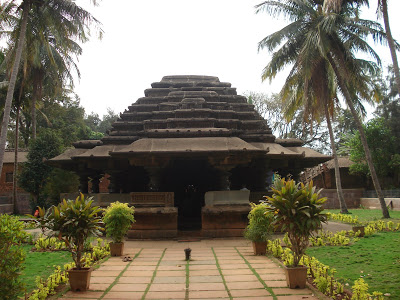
[[15, 208], [342, 202], [37, 96], [33, 113], [391, 43], [13, 78], [360, 128]]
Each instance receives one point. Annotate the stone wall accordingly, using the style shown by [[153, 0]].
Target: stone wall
[[373, 203], [6, 208], [22, 203], [351, 196], [6, 187]]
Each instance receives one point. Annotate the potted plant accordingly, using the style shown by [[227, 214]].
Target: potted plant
[[259, 229], [73, 222], [118, 218], [297, 209]]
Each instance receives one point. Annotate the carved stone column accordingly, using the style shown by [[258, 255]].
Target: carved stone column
[[83, 184], [96, 183], [114, 186], [224, 178], [154, 175]]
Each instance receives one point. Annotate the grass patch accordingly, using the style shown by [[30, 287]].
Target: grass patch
[[365, 215], [222, 275], [375, 258], [257, 275], [41, 264], [154, 275], [187, 279], [120, 275]]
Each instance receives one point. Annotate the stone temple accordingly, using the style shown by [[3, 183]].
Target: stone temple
[[190, 155]]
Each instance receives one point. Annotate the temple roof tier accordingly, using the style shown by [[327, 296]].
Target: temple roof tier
[[190, 114]]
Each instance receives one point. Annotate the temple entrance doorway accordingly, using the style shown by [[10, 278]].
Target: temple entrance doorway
[[189, 180]]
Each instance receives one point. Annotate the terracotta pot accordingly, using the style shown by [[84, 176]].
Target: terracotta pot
[[296, 277], [361, 229], [116, 249], [260, 248], [79, 280]]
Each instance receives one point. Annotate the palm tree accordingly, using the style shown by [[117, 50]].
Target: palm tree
[[310, 85], [25, 7], [383, 8], [316, 35], [48, 64], [347, 69], [336, 5], [62, 18]]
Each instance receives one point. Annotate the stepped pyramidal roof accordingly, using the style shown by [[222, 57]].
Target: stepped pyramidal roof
[[189, 114]]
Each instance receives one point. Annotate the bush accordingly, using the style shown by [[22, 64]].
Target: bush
[[297, 210], [12, 257], [73, 222], [118, 218], [260, 219]]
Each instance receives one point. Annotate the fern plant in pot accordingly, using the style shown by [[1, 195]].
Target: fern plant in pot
[[118, 218], [297, 209], [260, 227], [73, 222]]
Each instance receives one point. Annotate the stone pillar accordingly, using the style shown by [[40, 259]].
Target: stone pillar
[[260, 175], [225, 184], [154, 175], [96, 184], [114, 186], [83, 184]]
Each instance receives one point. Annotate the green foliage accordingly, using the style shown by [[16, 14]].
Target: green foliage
[[344, 218], [59, 181], [73, 222], [97, 252], [44, 243], [360, 291], [383, 147], [371, 227], [40, 264], [35, 173], [65, 117], [47, 287], [346, 254], [297, 210], [327, 238], [12, 257], [99, 127], [260, 223], [118, 218], [366, 215], [372, 258], [322, 275]]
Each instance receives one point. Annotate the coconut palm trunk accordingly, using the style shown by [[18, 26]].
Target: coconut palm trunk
[[342, 202], [14, 199], [392, 46], [360, 128], [13, 78]]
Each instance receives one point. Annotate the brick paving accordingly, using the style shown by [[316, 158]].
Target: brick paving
[[218, 269]]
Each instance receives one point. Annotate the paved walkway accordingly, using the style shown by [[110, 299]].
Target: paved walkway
[[218, 269]]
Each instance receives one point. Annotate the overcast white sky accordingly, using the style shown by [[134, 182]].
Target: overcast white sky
[[145, 40]]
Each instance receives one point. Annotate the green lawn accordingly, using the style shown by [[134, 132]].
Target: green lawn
[[368, 214], [41, 264], [375, 258]]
